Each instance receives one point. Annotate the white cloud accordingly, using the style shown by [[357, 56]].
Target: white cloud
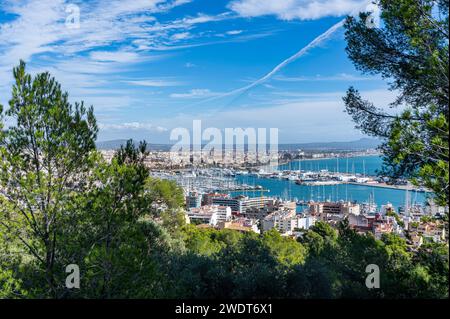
[[243, 38], [296, 9], [40, 27], [181, 36], [128, 28], [194, 93], [234, 32], [204, 18], [32, 32]]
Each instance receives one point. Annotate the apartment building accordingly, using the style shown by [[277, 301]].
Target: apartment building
[[270, 206], [238, 204], [335, 208]]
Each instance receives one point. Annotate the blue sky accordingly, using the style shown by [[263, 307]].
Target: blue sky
[[150, 66]]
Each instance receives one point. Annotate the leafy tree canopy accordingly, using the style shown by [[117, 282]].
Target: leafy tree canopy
[[410, 50]]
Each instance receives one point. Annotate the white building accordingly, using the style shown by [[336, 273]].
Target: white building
[[280, 219], [223, 213], [210, 214], [203, 215], [334, 208], [305, 222]]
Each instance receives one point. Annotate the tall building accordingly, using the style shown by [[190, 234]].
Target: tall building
[[233, 203], [254, 202]]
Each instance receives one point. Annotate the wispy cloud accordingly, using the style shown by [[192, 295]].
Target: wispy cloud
[[296, 9], [204, 18], [194, 93], [181, 36], [234, 32], [40, 27]]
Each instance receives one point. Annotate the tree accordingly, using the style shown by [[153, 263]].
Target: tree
[[121, 245], [166, 192], [61, 203], [287, 251], [335, 266], [45, 161], [410, 49]]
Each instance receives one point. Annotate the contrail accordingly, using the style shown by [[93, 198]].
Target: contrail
[[324, 36]]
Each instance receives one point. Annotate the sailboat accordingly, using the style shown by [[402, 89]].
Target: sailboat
[[369, 207]]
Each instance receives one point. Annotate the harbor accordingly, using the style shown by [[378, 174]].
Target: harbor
[[207, 180], [301, 181]]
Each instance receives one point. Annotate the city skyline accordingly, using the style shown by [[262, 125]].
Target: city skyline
[[150, 66]]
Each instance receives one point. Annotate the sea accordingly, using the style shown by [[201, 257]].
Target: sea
[[368, 165]]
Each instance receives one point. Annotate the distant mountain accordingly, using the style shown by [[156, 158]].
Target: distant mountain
[[361, 144]]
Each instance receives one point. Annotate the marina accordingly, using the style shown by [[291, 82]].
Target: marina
[[207, 180], [302, 181], [347, 192]]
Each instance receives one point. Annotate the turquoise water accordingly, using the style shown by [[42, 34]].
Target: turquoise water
[[359, 193], [361, 164]]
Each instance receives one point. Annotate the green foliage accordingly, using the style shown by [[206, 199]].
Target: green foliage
[[203, 242], [165, 192], [230, 264], [410, 48], [45, 159], [10, 287], [287, 251], [426, 219], [338, 267]]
